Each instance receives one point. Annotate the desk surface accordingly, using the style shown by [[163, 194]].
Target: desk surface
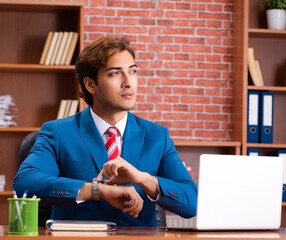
[[133, 233]]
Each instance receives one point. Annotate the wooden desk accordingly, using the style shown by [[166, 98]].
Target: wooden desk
[[133, 233]]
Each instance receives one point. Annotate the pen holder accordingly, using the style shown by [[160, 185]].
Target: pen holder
[[23, 216]]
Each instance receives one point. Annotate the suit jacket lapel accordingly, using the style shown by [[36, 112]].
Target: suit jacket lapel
[[92, 139], [132, 140]]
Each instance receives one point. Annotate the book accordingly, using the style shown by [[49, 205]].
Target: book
[[56, 50], [62, 109], [71, 48], [259, 73], [252, 67], [66, 48], [76, 233], [73, 107], [78, 225], [61, 48], [67, 109], [51, 48], [46, 47]]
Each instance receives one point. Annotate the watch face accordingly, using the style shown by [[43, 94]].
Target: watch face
[[98, 181]]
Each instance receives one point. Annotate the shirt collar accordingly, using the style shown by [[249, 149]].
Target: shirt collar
[[102, 126]]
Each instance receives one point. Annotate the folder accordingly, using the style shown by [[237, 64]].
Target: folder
[[253, 117], [282, 153], [266, 124], [253, 152]]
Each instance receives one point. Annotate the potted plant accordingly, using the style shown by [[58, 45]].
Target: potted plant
[[275, 13]]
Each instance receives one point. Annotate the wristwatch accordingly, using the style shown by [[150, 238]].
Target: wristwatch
[[95, 192]]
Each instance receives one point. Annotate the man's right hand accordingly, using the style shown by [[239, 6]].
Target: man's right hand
[[125, 198]]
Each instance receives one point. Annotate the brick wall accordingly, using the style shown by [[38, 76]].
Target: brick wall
[[184, 54]]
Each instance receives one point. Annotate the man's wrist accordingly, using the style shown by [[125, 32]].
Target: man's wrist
[[150, 185], [84, 193]]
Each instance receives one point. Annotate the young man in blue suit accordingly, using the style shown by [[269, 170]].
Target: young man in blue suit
[[69, 158]]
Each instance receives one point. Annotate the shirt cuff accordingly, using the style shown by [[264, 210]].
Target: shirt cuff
[[81, 201]]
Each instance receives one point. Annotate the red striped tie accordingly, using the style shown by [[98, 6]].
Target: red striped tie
[[111, 145]]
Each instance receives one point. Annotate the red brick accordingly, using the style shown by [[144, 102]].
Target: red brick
[[184, 53], [163, 107], [180, 108]]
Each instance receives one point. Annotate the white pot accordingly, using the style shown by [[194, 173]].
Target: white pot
[[276, 19]]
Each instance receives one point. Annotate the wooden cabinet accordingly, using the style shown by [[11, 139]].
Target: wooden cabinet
[[250, 31], [36, 89]]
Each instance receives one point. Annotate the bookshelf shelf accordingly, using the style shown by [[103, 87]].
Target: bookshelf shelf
[[265, 33], [190, 143], [4, 67], [19, 129], [37, 90], [267, 88], [250, 31], [264, 145], [6, 193]]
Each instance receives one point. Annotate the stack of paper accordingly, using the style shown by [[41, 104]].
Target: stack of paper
[[6, 116], [2, 182]]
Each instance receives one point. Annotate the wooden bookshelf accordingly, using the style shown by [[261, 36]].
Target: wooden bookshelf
[[36, 89], [250, 31]]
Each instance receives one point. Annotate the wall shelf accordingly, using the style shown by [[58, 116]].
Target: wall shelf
[[36, 89]]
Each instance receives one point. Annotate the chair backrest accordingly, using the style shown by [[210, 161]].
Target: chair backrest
[[45, 209], [26, 146]]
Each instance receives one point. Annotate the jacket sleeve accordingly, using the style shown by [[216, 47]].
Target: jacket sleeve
[[178, 189], [39, 173]]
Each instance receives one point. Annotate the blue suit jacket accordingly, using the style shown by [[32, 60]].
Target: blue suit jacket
[[69, 152]]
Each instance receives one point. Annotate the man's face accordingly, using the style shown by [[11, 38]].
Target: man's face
[[116, 87]]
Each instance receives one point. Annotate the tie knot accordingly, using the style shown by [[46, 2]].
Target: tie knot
[[112, 131]]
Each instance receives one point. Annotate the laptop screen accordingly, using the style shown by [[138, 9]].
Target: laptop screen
[[239, 192]]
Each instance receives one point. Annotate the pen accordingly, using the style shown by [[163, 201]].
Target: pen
[[25, 194], [18, 211], [22, 202]]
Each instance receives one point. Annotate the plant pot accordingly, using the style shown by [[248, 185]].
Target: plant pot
[[276, 19]]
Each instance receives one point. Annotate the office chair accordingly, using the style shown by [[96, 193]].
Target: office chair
[[45, 209]]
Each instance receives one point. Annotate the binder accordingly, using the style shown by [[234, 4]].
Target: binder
[[253, 152], [266, 124], [282, 153], [253, 117]]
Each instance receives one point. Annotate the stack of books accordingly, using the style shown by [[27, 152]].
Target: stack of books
[[67, 108], [7, 106], [59, 48]]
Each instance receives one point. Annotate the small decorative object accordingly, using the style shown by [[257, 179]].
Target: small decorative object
[[275, 13], [2, 182]]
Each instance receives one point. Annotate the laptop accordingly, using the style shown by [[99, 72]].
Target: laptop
[[238, 192]]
